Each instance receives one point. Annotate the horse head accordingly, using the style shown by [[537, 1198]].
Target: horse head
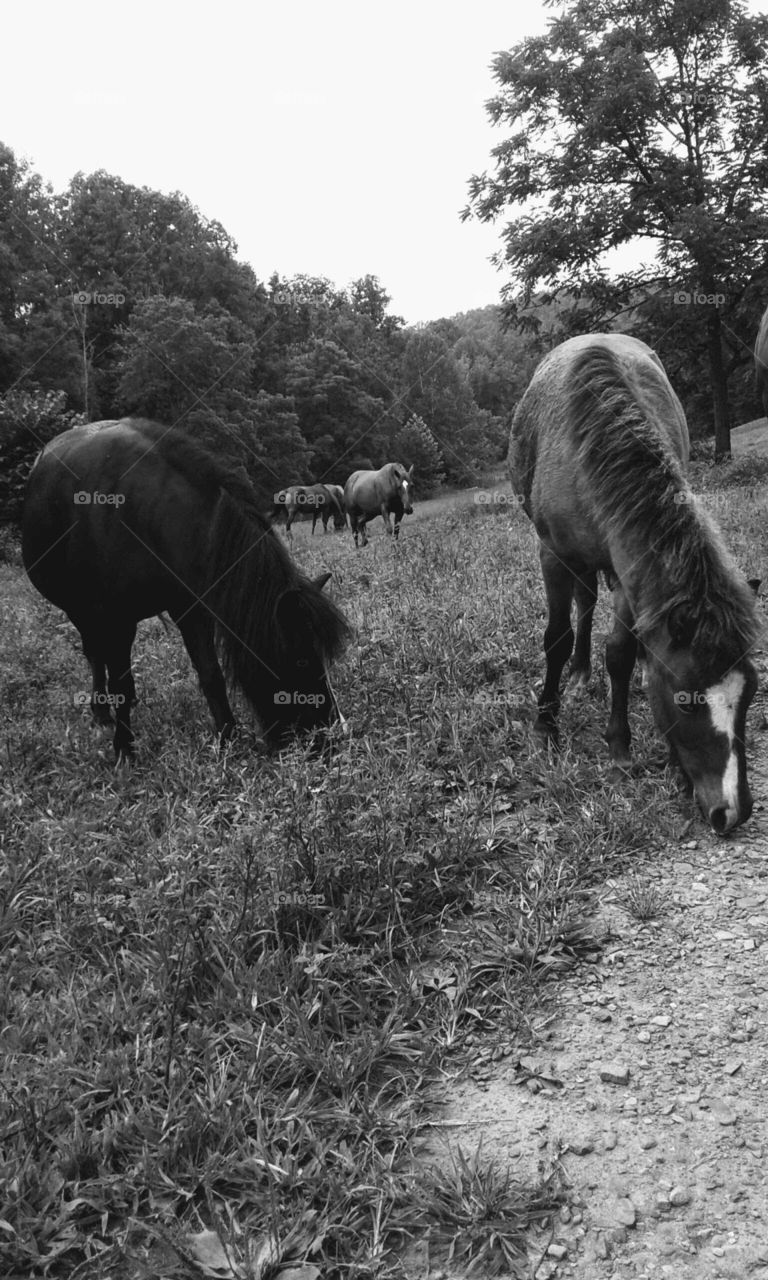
[[700, 698]]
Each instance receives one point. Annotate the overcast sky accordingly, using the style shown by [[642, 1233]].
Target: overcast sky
[[331, 137]]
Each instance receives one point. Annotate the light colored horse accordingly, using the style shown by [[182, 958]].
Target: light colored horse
[[598, 451], [368, 494]]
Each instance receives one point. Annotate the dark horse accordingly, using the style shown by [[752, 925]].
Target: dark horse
[[124, 520], [598, 449], [318, 500], [761, 362], [368, 494]]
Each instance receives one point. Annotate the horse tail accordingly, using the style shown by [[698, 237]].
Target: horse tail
[[253, 583]]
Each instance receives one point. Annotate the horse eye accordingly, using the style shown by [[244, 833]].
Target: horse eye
[[302, 662]]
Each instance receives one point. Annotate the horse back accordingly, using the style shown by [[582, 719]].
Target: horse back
[[545, 459], [99, 497]]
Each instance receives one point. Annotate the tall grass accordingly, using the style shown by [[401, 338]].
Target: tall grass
[[227, 979]]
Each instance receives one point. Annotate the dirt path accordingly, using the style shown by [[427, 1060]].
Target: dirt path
[[661, 1051]]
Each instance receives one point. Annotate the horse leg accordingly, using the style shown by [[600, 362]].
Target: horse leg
[[558, 639], [620, 654], [385, 518], [197, 632], [94, 649], [585, 594], [396, 530], [122, 690]]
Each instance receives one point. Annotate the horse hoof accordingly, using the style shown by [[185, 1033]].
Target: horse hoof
[[547, 735]]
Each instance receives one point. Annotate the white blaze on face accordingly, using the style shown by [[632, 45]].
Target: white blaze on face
[[723, 701]]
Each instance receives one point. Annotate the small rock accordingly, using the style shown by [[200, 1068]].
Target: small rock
[[644, 1036], [616, 1235], [614, 1073], [609, 1140], [733, 1065], [625, 1212], [558, 1251], [647, 1143], [661, 1021], [679, 1196], [581, 1146], [565, 1214], [722, 1112]]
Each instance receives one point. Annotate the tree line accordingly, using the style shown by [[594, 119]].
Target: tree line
[[628, 122], [118, 300]]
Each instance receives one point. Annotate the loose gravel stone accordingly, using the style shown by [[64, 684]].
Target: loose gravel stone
[[721, 1111], [614, 1073]]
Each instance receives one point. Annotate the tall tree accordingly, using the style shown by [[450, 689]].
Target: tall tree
[[638, 121]]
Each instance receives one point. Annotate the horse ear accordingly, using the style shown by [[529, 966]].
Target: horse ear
[[321, 580], [754, 583], [681, 624], [410, 471]]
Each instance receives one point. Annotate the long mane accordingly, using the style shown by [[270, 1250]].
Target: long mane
[[248, 570], [645, 498]]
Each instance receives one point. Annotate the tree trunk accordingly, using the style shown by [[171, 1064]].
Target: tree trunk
[[719, 388]]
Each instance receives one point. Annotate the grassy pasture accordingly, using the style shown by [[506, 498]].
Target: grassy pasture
[[228, 982]]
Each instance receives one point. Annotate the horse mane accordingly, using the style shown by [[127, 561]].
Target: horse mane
[[643, 491], [250, 572]]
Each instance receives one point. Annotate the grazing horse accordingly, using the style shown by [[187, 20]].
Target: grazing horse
[[337, 491], [761, 362], [129, 519], [368, 494], [598, 450], [316, 500]]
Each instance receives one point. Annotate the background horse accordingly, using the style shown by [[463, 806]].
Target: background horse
[[316, 500], [129, 519], [368, 494], [337, 491], [761, 362], [597, 452]]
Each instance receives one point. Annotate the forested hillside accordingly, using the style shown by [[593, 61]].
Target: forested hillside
[[119, 300]]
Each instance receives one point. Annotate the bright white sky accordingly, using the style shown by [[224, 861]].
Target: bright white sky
[[329, 137]]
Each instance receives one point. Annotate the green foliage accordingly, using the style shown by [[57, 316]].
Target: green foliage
[[628, 123], [416, 446], [28, 419]]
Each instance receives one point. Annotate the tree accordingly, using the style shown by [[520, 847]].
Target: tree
[[29, 418], [416, 447], [639, 121]]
